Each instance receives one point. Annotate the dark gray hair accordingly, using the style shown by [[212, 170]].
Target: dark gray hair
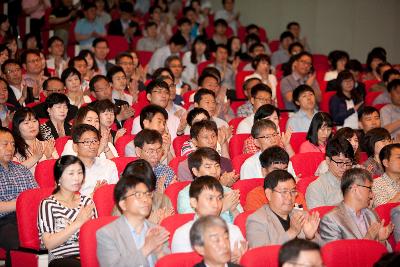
[[199, 227], [352, 176], [258, 126]]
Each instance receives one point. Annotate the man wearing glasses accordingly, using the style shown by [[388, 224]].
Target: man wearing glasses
[[99, 171], [266, 135], [132, 240], [325, 191], [352, 219], [278, 221]]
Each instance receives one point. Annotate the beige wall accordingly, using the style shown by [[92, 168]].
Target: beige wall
[[355, 26]]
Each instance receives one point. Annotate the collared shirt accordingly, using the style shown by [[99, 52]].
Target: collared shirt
[[245, 125], [325, 191], [3, 114], [245, 110], [101, 64], [17, 92], [13, 181], [389, 114], [161, 170], [83, 26], [183, 204], [291, 82], [139, 238], [102, 169], [279, 57], [159, 57], [150, 44], [229, 75], [300, 122], [181, 239], [384, 188], [359, 220]]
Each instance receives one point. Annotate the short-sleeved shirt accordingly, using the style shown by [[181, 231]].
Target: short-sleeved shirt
[[299, 122], [325, 191], [83, 26], [384, 188], [389, 114], [55, 217], [13, 181]]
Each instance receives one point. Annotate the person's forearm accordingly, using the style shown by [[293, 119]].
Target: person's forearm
[[52, 241], [7, 206], [29, 162], [391, 127]]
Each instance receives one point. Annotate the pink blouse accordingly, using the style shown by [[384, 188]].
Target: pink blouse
[[307, 146]]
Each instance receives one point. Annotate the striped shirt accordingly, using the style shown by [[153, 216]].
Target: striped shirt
[[54, 217]]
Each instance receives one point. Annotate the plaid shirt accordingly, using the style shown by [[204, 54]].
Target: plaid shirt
[[161, 170], [14, 181], [249, 146]]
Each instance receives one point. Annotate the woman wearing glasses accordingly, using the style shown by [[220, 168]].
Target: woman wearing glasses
[[88, 115], [63, 213]]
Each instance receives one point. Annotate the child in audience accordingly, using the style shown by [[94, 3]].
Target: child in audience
[[193, 116], [318, 134]]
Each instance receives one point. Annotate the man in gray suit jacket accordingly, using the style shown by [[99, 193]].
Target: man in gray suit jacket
[[352, 219], [278, 222], [131, 240]]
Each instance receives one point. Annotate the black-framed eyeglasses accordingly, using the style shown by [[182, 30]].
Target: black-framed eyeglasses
[[292, 193], [88, 143], [268, 136], [343, 164], [140, 195], [368, 187]]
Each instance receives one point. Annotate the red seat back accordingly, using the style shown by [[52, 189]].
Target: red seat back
[[261, 256], [27, 208], [116, 45], [320, 62], [128, 124], [352, 253], [144, 57], [303, 183], [87, 240], [236, 104], [296, 140], [236, 144], [173, 190], [201, 66], [274, 45], [173, 222], [178, 143], [60, 143], [174, 163], [245, 186], [185, 259], [121, 163], [44, 174], [234, 123], [370, 97], [121, 142], [238, 161], [240, 75], [240, 220], [326, 97], [322, 210], [313, 160], [103, 198], [369, 84], [279, 96]]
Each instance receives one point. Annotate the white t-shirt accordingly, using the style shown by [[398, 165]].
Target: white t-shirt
[[181, 239], [245, 125]]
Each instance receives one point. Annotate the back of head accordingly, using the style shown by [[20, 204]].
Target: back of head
[[141, 168], [354, 176], [194, 113], [203, 183], [147, 136], [273, 155], [177, 39], [275, 177], [290, 251]]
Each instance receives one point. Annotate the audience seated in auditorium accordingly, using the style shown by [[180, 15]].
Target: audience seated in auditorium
[[208, 237], [206, 161], [388, 76], [227, 70], [33, 65], [380, 70], [220, 29], [229, 14], [175, 64], [15, 178], [206, 198], [318, 134], [100, 49], [246, 109], [5, 110], [149, 146], [325, 191], [205, 98], [304, 100], [117, 77], [338, 60], [376, 56], [56, 62], [152, 41], [279, 221], [282, 55], [132, 238], [273, 158], [386, 188], [368, 119], [123, 25], [374, 140], [72, 79], [62, 214], [303, 73], [352, 218]]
